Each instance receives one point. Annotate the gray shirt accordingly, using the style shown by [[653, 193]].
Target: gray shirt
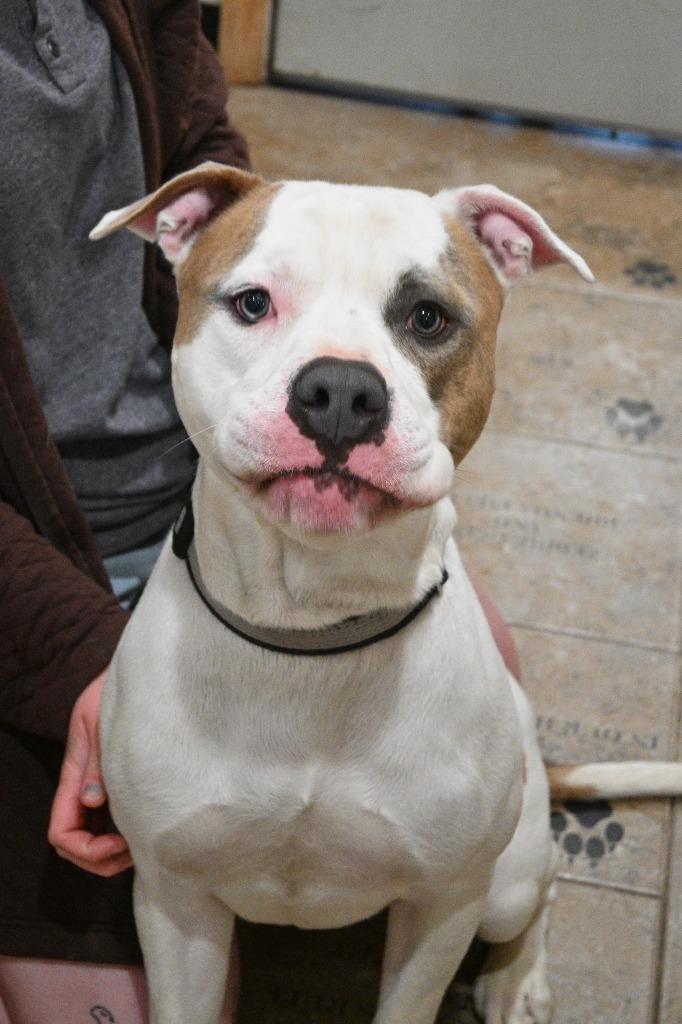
[[69, 152]]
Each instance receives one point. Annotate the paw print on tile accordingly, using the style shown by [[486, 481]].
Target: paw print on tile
[[651, 273], [634, 417], [586, 830]]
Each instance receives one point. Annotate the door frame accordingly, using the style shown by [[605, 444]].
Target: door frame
[[244, 33]]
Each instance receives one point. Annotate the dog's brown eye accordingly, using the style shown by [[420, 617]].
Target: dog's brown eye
[[252, 305], [426, 320]]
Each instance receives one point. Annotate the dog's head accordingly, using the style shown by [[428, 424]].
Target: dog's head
[[334, 353]]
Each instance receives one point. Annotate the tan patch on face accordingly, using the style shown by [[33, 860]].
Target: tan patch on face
[[220, 246], [461, 378]]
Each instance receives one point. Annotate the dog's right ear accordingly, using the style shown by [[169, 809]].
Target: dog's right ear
[[173, 215]]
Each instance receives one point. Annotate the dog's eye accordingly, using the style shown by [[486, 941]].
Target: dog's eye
[[426, 320], [252, 305]]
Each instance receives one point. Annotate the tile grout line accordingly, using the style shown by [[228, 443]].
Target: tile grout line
[[607, 292], [663, 929], [580, 634], [598, 883], [593, 446]]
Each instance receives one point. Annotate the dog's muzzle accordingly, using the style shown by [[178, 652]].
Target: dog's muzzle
[[338, 404]]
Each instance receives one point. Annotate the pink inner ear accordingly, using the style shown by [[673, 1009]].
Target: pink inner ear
[[176, 224], [510, 245], [515, 237]]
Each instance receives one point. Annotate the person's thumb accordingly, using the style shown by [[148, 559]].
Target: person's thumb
[[92, 791]]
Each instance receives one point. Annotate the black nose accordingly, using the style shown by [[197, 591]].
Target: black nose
[[339, 403]]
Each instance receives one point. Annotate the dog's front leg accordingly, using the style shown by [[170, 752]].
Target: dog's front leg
[[185, 936], [512, 986], [425, 944]]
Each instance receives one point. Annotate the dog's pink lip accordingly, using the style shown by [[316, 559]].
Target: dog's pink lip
[[324, 473], [259, 485], [327, 499]]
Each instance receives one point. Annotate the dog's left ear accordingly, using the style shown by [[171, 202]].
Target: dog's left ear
[[516, 240], [173, 215]]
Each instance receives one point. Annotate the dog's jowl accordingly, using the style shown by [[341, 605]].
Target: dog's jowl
[[307, 719]]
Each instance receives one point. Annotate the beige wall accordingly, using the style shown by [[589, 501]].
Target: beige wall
[[614, 62]]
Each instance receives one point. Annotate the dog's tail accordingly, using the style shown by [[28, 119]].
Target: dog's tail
[[615, 780]]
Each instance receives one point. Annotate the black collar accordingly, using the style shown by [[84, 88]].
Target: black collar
[[347, 635]]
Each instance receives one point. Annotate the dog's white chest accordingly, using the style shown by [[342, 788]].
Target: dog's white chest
[[317, 792], [298, 847]]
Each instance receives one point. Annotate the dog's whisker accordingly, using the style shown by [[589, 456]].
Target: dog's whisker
[[191, 437]]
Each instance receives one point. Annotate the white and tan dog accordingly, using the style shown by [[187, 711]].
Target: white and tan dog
[[307, 719]]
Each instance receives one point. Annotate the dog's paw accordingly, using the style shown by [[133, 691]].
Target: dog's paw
[[508, 993]]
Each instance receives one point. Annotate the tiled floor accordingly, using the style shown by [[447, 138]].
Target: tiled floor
[[570, 513]]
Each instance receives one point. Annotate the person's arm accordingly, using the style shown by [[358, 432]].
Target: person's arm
[[58, 630], [499, 629], [192, 93]]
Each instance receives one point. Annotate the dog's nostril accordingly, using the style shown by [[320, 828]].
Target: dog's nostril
[[339, 403], [367, 403], [320, 399], [312, 395]]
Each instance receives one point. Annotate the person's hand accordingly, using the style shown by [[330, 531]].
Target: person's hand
[[80, 827]]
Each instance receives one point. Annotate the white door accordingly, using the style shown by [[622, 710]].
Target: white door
[[616, 63]]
